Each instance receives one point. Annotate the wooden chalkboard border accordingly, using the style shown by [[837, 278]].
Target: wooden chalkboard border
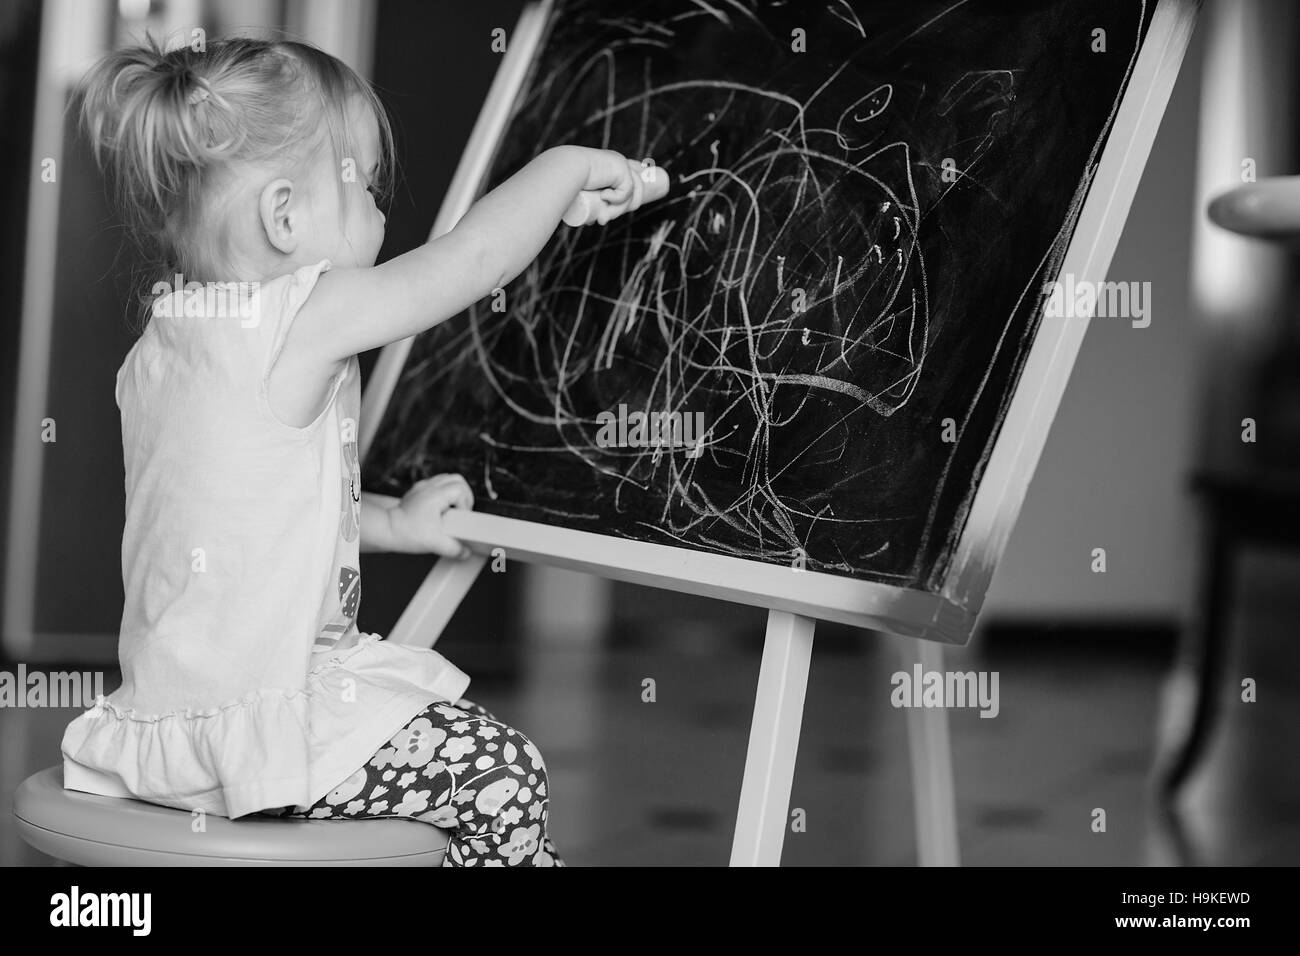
[[946, 614]]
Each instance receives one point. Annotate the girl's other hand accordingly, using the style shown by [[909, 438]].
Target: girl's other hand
[[616, 185], [417, 519]]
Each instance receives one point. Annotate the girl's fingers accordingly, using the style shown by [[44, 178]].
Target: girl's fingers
[[458, 492], [640, 182], [452, 491], [446, 545], [628, 195], [426, 503], [466, 499], [607, 171], [617, 195]]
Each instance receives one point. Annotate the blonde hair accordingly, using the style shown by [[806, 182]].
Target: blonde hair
[[167, 125]]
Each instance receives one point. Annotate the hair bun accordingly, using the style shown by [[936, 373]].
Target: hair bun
[[139, 106]]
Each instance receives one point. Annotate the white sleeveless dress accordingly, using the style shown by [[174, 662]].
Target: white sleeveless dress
[[245, 683]]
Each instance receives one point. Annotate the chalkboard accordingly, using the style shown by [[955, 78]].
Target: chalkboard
[[837, 298]]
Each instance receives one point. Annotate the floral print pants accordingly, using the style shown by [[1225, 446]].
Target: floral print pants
[[459, 768]]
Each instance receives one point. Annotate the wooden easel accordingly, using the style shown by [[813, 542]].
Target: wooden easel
[[763, 815], [795, 601]]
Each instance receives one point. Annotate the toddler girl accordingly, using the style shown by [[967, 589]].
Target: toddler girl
[[250, 172]]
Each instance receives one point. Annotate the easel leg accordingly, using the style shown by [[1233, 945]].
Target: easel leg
[[933, 796], [446, 585], [773, 741]]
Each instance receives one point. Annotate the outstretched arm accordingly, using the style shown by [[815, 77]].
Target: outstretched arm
[[360, 309]]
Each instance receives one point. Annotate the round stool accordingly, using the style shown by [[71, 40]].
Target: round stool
[[91, 830]]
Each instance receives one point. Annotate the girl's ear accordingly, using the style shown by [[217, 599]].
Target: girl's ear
[[273, 207]]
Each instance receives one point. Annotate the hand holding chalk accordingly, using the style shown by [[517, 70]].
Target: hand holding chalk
[[645, 182]]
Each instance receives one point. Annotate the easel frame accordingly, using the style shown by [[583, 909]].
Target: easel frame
[[795, 599]]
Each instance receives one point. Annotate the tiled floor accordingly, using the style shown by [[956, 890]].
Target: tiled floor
[[637, 783]]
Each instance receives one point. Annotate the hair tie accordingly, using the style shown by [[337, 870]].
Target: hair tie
[[197, 95]]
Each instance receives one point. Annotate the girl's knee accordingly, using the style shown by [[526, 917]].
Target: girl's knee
[[523, 759], [529, 757], [520, 789]]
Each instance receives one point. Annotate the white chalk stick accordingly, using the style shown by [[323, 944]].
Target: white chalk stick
[[578, 212]]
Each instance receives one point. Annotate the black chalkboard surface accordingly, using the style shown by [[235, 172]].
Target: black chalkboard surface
[[868, 199]]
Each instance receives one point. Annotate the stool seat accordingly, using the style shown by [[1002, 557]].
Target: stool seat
[[92, 830]]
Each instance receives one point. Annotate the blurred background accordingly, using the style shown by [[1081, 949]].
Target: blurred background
[[1120, 690]]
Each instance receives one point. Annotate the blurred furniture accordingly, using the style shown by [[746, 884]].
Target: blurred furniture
[[1247, 508], [90, 830]]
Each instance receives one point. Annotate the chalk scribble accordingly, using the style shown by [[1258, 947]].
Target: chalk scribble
[[785, 288]]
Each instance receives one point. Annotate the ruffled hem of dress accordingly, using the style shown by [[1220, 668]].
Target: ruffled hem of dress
[[289, 742]]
